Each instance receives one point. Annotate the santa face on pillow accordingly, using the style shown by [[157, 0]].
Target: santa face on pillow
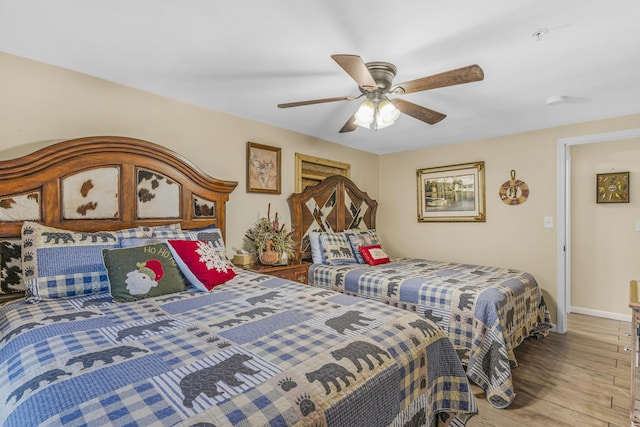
[[140, 282]]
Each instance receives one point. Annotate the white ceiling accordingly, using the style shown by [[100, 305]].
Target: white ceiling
[[246, 56]]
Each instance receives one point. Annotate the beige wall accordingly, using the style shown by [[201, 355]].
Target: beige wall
[[40, 104], [603, 237], [512, 236]]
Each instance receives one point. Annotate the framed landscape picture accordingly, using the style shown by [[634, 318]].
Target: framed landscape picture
[[453, 193]]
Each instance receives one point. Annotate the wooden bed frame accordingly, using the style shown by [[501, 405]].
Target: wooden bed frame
[[42, 181], [335, 204]]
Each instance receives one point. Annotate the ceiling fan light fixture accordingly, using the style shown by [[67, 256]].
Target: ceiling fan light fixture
[[376, 113], [387, 114], [365, 114]]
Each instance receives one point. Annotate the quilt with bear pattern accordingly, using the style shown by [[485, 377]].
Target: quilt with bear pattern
[[486, 311], [257, 350]]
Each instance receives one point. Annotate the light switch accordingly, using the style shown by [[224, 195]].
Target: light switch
[[638, 225], [548, 222]]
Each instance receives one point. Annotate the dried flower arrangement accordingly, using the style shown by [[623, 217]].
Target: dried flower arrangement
[[271, 241]]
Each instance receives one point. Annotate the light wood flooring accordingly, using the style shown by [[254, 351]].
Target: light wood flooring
[[580, 378]]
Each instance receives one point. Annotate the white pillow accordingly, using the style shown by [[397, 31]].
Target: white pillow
[[316, 251]]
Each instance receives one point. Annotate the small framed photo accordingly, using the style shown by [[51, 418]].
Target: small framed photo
[[453, 193], [263, 168], [612, 187]]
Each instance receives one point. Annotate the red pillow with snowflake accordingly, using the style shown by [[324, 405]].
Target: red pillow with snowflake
[[200, 263], [374, 255]]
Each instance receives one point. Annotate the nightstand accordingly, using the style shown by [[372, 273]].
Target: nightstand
[[294, 272]]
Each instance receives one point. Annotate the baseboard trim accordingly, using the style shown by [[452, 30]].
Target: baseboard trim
[[599, 313]]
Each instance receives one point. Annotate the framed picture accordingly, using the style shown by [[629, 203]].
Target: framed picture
[[453, 193], [263, 169], [612, 187]]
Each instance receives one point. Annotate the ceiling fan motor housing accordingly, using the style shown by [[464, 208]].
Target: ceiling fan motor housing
[[383, 73]]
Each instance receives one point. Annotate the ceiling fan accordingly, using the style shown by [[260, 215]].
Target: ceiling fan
[[375, 81]]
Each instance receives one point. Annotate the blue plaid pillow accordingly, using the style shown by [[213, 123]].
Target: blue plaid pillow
[[59, 263], [212, 234], [359, 238], [149, 231], [336, 249]]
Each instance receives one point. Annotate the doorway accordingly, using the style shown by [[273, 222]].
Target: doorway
[[563, 240]]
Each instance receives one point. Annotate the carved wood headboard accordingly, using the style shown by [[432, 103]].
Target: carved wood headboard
[[335, 204], [108, 183]]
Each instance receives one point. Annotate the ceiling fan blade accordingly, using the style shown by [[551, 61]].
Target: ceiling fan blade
[[316, 101], [350, 125], [471, 73], [417, 111], [357, 69]]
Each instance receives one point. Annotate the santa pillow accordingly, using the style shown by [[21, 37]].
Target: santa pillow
[[200, 263], [374, 254], [142, 272]]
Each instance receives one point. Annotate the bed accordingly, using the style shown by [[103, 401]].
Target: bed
[[78, 347], [485, 311]]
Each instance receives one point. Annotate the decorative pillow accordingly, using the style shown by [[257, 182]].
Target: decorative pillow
[[142, 272], [11, 267], [359, 238], [140, 241], [58, 263], [207, 234], [316, 250], [374, 255], [336, 249], [148, 231], [200, 263]]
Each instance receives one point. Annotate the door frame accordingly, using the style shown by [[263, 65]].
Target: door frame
[[563, 241]]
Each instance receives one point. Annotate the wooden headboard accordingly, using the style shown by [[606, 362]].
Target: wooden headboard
[[335, 204], [108, 183]]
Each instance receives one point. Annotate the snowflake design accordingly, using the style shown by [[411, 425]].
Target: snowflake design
[[210, 258]]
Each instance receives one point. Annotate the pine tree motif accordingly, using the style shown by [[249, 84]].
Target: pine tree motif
[[209, 256]]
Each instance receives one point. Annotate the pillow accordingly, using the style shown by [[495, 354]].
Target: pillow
[[142, 272], [336, 249], [374, 255], [208, 234], [148, 231], [316, 250], [58, 263], [140, 241], [200, 263], [359, 238], [11, 267]]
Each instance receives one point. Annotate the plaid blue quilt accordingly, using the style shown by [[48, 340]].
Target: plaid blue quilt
[[485, 311], [256, 351]]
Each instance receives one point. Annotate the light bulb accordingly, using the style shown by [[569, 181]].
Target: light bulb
[[387, 114], [364, 115]]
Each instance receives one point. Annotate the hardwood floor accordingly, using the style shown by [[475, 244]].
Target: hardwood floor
[[580, 378]]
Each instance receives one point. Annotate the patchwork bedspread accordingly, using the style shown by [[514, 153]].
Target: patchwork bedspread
[[485, 311], [256, 351]]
